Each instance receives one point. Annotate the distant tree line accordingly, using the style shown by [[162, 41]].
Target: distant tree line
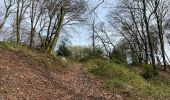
[[143, 26]]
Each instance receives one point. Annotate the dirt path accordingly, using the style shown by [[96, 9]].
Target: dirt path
[[20, 79], [84, 86]]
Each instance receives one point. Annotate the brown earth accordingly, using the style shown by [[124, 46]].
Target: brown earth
[[23, 78]]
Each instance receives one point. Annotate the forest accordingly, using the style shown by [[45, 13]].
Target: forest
[[127, 56]]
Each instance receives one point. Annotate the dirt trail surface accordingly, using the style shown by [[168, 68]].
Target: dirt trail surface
[[20, 79]]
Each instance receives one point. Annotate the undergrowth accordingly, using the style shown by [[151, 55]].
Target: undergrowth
[[129, 82]]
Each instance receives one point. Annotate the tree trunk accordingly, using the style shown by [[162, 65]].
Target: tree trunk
[[149, 35], [57, 33], [32, 24], [18, 32], [93, 37], [18, 23], [47, 41], [161, 39], [31, 37]]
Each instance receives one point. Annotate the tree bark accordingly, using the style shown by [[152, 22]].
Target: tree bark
[[18, 23], [57, 33], [32, 25], [150, 40]]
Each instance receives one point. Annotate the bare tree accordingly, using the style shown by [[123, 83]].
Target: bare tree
[[69, 13], [8, 10], [36, 13], [160, 14], [21, 8]]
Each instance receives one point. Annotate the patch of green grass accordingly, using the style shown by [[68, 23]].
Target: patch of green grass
[[124, 79], [16, 47]]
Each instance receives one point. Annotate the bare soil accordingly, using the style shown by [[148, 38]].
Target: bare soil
[[22, 78]]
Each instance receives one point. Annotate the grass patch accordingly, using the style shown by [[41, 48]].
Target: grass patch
[[33, 56], [129, 82], [16, 47]]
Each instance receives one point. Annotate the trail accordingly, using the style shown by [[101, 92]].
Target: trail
[[23, 79]]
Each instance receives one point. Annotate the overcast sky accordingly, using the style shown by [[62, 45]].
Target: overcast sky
[[82, 36]]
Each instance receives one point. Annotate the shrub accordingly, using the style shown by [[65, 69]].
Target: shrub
[[118, 56], [88, 54], [63, 50], [149, 72], [98, 52]]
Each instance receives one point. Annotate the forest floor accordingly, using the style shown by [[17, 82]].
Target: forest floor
[[21, 78]]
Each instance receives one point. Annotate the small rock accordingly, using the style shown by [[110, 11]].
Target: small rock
[[3, 90], [16, 74], [64, 60], [22, 76]]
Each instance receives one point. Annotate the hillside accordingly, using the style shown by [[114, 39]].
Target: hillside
[[30, 75], [85, 50], [128, 80]]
